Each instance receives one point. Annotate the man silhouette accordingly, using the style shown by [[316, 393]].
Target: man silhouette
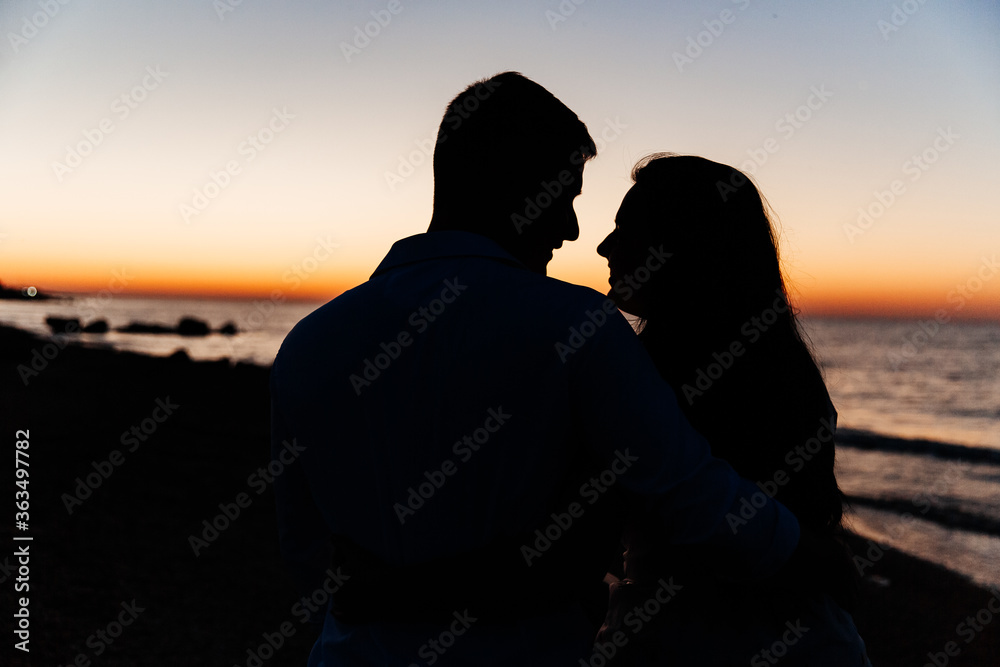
[[462, 420]]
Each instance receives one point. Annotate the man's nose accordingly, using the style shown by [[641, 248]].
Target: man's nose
[[572, 230]]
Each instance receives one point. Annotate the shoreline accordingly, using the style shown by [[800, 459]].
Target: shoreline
[[869, 440], [189, 435]]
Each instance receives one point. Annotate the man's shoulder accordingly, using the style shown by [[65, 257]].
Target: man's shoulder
[[345, 300], [504, 294], [332, 316], [555, 292], [569, 302]]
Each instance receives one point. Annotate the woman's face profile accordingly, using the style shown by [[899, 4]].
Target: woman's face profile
[[632, 255]]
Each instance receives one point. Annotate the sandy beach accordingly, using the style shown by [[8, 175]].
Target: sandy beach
[[154, 536]]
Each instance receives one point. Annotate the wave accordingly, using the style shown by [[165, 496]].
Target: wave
[[943, 450], [948, 517]]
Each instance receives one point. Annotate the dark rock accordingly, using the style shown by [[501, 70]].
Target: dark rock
[[228, 329], [70, 325], [97, 326], [190, 326]]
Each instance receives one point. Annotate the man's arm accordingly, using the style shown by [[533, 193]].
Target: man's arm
[[630, 415]]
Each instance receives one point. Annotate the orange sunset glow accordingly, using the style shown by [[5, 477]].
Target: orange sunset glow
[[255, 160]]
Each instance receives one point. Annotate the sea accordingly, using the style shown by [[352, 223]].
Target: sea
[[918, 443]]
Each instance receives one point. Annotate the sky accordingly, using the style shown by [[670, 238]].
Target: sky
[[243, 147]]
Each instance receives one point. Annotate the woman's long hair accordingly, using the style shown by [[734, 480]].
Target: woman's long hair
[[724, 335]]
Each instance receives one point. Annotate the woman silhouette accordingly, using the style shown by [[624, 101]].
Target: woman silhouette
[[716, 320]]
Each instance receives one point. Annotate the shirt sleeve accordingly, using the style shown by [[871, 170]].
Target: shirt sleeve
[[632, 421]]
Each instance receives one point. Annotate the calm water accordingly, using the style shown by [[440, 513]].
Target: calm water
[[262, 323], [891, 377], [895, 378]]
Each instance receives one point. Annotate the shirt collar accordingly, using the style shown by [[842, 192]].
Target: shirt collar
[[442, 245]]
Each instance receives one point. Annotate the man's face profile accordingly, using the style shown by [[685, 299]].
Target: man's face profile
[[555, 224]]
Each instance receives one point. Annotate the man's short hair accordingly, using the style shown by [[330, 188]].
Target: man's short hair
[[500, 139]]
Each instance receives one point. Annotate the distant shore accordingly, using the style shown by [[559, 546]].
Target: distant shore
[[24, 294], [130, 455]]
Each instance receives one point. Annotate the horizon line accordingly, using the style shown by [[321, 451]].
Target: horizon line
[[818, 310]]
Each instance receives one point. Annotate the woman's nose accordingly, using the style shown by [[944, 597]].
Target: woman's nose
[[604, 248]]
